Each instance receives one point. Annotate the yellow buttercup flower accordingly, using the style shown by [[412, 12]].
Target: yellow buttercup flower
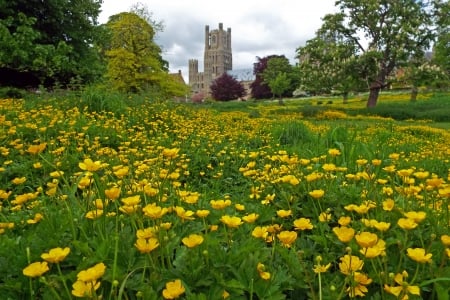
[[378, 249], [92, 274], [83, 289], [220, 204], [192, 240], [287, 238], [325, 217], [35, 149], [406, 223], [131, 201], [282, 213], [36, 269], [419, 255], [418, 216], [358, 287], [403, 288], [366, 239], [146, 245], [388, 204], [112, 193], [445, 240], [317, 194], [350, 264], [251, 218], [344, 221], [170, 153], [153, 211], [303, 224], [334, 152], [56, 255], [262, 271], [89, 165], [202, 213], [344, 234], [19, 180], [231, 221], [260, 232], [184, 214], [173, 290]]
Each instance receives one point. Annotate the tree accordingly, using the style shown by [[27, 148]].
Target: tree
[[277, 76], [441, 48], [328, 63], [134, 62], [226, 87], [385, 32], [260, 90], [53, 41]]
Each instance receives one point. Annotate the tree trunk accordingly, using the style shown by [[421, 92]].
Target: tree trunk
[[280, 101], [345, 97], [373, 97], [414, 93]]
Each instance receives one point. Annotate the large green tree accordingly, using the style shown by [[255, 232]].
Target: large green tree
[[135, 63], [53, 40], [278, 76], [386, 33], [328, 63]]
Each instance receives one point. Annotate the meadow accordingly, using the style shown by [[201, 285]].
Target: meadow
[[107, 197]]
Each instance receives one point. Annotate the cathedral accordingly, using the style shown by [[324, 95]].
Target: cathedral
[[217, 59]]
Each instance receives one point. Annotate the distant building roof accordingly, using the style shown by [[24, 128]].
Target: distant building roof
[[178, 76], [242, 74]]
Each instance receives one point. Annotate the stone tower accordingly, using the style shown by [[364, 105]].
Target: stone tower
[[217, 59]]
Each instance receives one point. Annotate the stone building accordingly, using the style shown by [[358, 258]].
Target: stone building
[[217, 59]]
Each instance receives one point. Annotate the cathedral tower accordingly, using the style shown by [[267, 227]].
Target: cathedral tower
[[217, 59]]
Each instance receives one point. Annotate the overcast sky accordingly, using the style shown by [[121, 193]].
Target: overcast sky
[[258, 27]]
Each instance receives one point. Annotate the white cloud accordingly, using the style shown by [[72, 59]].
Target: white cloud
[[258, 27]]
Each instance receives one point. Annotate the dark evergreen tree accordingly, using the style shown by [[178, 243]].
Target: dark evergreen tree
[[226, 87], [49, 41]]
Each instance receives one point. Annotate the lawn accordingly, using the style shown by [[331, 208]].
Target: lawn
[[107, 197]]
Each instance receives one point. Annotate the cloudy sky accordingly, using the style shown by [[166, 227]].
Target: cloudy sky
[[258, 27]]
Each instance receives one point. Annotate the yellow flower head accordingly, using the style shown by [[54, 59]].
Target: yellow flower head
[[35, 149], [173, 290], [317, 194], [388, 204], [56, 255], [112, 193], [89, 165], [146, 245], [287, 238], [407, 223], [366, 239], [192, 240], [231, 221], [260, 232], [83, 289], [202, 213], [282, 213], [418, 216], [445, 239], [251, 218], [350, 264], [303, 224], [262, 271], [153, 211], [92, 274], [220, 204], [344, 234], [131, 201], [36, 269], [344, 221], [325, 217], [170, 153], [419, 255], [334, 152]]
